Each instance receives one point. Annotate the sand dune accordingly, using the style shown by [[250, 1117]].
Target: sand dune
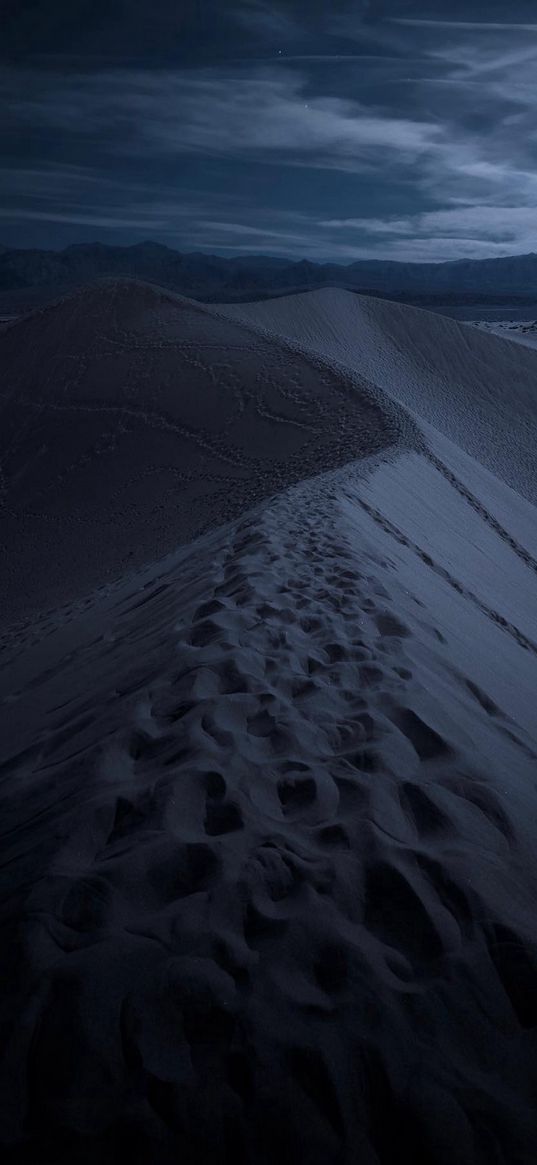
[[477, 389], [268, 803], [269, 823], [521, 332], [135, 419]]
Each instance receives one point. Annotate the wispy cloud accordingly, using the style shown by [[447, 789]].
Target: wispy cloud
[[346, 111], [263, 16], [280, 57], [80, 218], [211, 113], [465, 25], [465, 230]]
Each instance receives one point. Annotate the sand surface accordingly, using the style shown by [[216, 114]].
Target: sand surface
[[478, 390], [268, 827], [133, 420], [522, 332]]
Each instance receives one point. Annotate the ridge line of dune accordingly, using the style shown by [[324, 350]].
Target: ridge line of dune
[[479, 393]]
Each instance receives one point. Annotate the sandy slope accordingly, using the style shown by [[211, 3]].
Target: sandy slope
[[521, 332], [268, 805], [477, 389], [132, 419], [269, 816]]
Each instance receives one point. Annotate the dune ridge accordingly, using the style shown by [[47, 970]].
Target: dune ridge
[[279, 875], [140, 419], [477, 389], [267, 802]]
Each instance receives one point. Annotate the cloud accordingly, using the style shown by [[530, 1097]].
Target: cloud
[[461, 230], [496, 222], [465, 25], [263, 113], [262, 17], [237, 229], [440, 119], [327, 58], [71, 194], [79, 217]]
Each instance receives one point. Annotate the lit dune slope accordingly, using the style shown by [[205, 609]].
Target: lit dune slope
[[132, 419], [268, 803], [477, 389], [521, 333]]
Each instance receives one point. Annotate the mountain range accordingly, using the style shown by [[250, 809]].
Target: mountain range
[[213, 277]]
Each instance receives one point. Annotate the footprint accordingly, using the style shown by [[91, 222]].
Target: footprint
[[87, 904], [352, 794], [204, 633], [129, 817], [427, 743], [331, 967], [222, 817], [486, 801], [516, 964], [207, 609], [388, 624], [485, 701], [334, 835], [296, 793], [310, 1070], [177, 870], [215, 785], [395, 912], [417, 804], [370, 675], [451, 895]]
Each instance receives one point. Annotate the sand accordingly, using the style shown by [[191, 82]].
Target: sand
[[133, 420], [522, 332], [268, 814], [478, 390]]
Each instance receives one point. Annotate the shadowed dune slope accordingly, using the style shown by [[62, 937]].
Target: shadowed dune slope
[[477, 389], [132, 420]]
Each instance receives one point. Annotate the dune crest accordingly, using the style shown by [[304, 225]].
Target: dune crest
[[267, 802], [476, 389], [135, 419]]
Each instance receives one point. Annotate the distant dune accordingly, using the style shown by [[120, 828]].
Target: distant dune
[[475, 389], [267, 803], [521, 332]]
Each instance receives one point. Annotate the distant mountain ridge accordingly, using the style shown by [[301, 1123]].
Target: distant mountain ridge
[[212, 277]]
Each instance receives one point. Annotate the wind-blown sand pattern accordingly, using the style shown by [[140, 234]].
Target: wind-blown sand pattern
[[268, 814]]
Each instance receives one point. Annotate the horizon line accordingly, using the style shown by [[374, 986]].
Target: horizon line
[[268, 255]]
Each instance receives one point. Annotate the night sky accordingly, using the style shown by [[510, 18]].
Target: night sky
[[398, 129]]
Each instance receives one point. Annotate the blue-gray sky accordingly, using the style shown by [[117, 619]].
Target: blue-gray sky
[[331, 131]]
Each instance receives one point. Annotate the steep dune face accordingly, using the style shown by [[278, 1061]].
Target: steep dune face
[[478, 390], [131, 420]]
